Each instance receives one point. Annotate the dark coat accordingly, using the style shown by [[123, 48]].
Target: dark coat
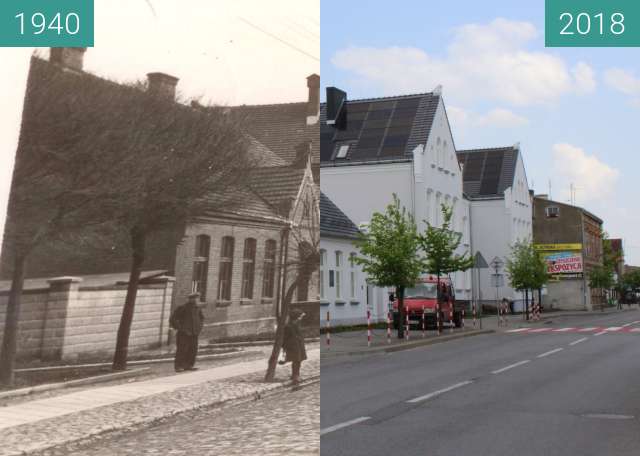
[[187, 319], [293, 344]]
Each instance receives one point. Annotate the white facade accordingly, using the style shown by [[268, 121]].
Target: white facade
[[343, 291], [433, 177], [496, 225]]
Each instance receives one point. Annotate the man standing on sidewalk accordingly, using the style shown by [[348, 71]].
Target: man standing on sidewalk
[[187, 320], [293, 344]]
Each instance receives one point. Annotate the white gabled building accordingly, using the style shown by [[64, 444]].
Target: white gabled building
[[495, 182], [343, 291], [373, 148]]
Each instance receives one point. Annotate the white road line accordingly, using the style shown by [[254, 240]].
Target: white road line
[[550, 352], [439, 392], [613, 328], [635, 330], [564, 329], [540, 330], [517, 330], [335, 427], [576, 342], [511, 366], [626, 324], [600, 333]]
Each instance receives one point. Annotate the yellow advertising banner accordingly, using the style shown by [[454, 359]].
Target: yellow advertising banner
[[557, 247]]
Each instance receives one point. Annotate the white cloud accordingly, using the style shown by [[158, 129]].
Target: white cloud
[[625, 82], [461, 118], [593, 179], [483, 61]]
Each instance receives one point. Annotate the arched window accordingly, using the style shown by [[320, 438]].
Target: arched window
[[248, 268], [269, 275], [226, 268], [323, 262], [201, 266]]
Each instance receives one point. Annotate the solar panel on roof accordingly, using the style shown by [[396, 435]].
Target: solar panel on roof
[[358, 107], [408, 103]]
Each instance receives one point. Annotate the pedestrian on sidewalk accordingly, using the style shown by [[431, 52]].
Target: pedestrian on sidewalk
[[188, 321], [293, 344]]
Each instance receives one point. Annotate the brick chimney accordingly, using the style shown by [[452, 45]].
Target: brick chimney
[[313, 102], [162, 85], [71, 58]]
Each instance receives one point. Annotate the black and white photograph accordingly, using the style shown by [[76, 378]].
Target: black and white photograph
[[159, 287]]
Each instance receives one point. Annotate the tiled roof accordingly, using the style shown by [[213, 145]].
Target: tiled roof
[[378, 129], [488, 172], [281, 128], [333, 222], [278, 186]]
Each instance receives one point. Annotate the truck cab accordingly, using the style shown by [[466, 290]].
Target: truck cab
[[422, 298]]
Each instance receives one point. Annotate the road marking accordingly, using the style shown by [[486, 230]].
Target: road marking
[[517, 330], [634, 330], [511, 366], [600, 333], [540, 330], [575, 342], [335, 427], [626, 324], [613, 328], [608, 416], [551, 352], [564, 329], [439, 392], [588, 329]]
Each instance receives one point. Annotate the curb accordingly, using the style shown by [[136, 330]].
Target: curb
[[145, 423], [139, 362], [409, 345], [71, 383], [254, 343]]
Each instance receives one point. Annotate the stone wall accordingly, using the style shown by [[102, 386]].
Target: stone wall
[[67, 321]]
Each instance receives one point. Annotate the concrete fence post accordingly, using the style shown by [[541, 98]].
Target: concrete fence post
[[62, 291]]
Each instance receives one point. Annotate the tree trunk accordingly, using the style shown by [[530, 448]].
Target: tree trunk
[[439, 317], [402, 312], [122, 343], [10, 335], [526, 303], [277, 345]]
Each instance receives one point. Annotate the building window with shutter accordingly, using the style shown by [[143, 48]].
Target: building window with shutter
[[269, 275], [248, 268], [201, 266], [226, 268]]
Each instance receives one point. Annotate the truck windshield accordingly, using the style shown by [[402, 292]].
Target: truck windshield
[[422, 290]]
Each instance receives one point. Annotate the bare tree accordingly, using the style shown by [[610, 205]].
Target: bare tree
[[302, 235]]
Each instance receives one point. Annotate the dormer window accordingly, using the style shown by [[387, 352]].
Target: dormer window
[[552, 211], [342, 151]]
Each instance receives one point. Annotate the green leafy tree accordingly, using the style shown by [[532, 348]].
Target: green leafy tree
[[390, 252], [440, 245], [526, 268]]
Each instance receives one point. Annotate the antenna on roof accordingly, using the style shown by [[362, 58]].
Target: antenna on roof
[[437, 90]]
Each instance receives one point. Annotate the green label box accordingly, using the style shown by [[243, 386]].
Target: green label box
[[46, 23], [592, 23]]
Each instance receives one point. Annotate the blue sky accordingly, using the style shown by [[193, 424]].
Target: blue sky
[[574, 111]]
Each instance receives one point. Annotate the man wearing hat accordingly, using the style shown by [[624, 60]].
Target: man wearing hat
[[187, 320], [293, 344]]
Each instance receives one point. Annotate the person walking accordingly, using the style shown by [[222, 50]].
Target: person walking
[[293, 344], [188, 321]]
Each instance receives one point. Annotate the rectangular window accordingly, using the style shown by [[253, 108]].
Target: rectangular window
[[352, 276], [268, 278], [248, 268], [338, 274], [226, 268], [201, 266], [323, 261]]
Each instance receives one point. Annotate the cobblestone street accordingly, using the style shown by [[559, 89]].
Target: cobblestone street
[[285, 423]]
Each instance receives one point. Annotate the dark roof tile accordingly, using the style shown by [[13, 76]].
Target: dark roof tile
[[488, 172], [334, 222]]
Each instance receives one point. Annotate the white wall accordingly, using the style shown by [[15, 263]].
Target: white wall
[[496, 225], [361, 190], [350, 307]]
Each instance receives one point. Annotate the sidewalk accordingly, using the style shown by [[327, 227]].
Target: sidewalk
[[43, 423]]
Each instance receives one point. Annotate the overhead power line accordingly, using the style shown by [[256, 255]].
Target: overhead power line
[[275, 37]]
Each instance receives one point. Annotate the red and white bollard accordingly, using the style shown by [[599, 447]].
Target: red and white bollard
[[388, 327], [368, 328], [423, 326], [328, 332], [406, 333], [473, 310], [451, 323]]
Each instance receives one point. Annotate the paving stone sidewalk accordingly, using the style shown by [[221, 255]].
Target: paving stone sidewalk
[[41, 424]]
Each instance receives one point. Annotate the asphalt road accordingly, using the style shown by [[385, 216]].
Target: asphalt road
[[568, 392]]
